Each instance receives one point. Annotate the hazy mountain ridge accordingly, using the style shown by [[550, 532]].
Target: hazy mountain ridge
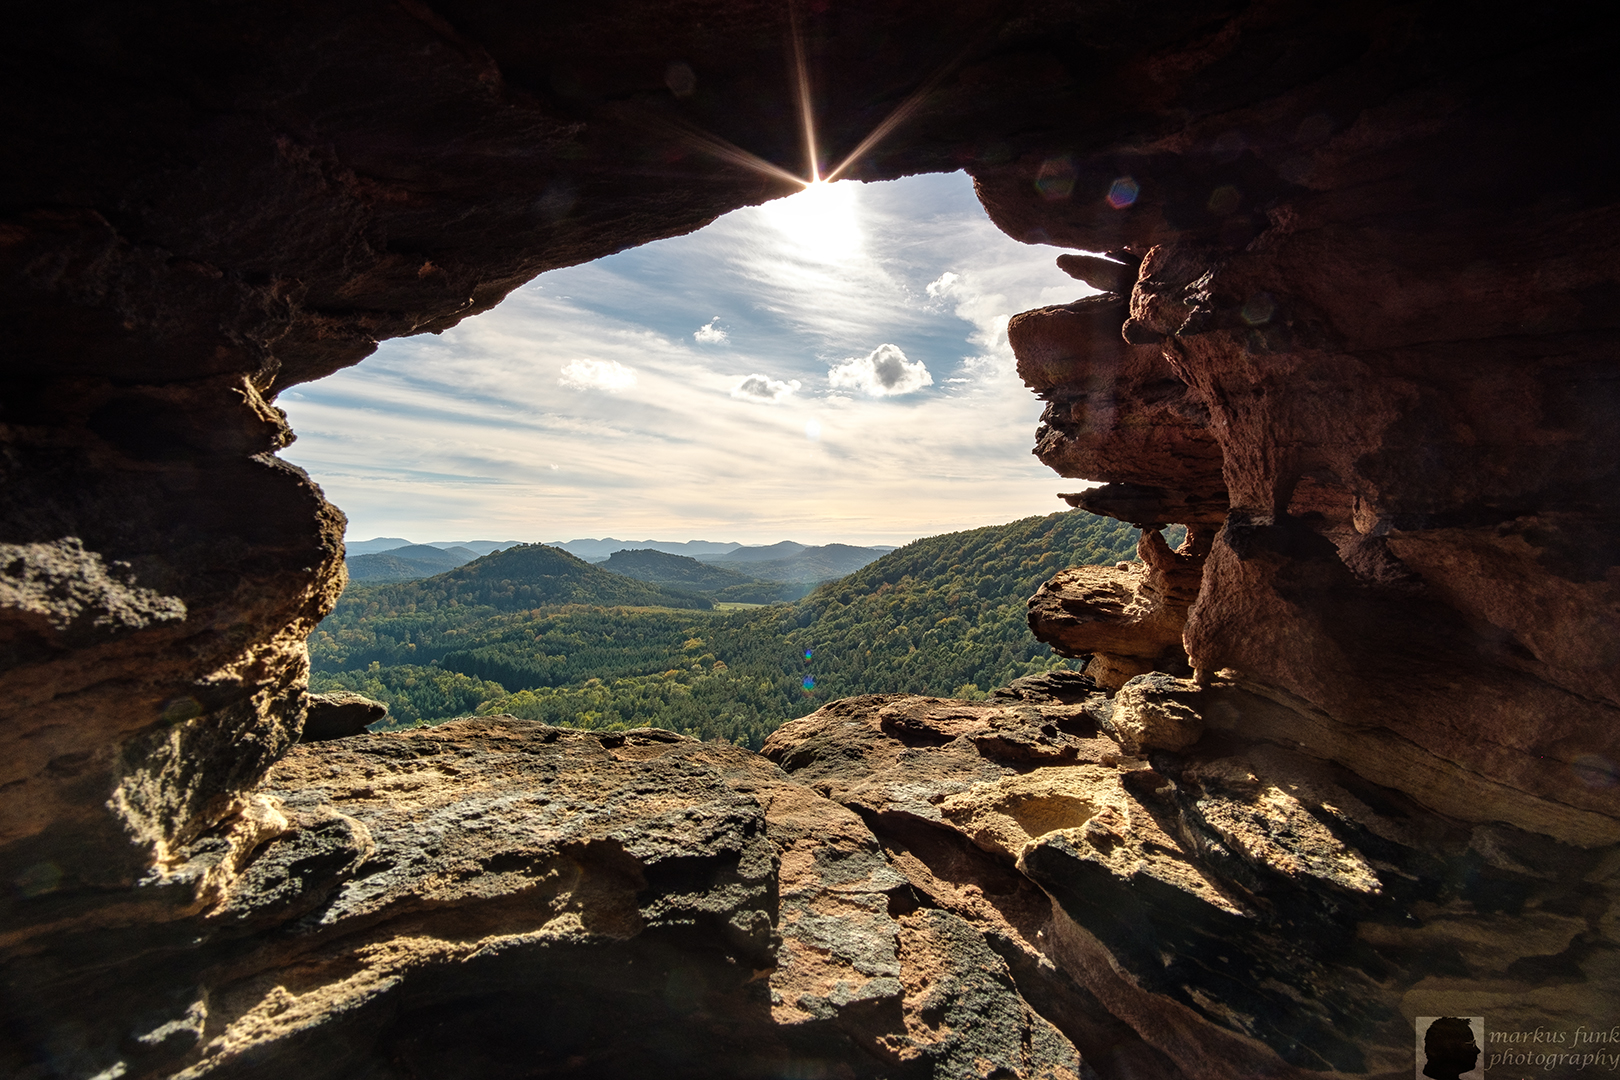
[[394, 559], [410, 561], [713, 579], [808, 565], [517, 578], [595, 551], [782, 549]]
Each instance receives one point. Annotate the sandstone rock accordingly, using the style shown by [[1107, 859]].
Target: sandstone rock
[[1206, 900], [1158, 711], [1129, 619], [916, 769], [338, 715], [1149, 507], [552, 883], [1117, 412], [1058, 687], [1104, 275]]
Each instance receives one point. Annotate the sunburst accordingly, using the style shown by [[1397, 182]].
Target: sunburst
[[717, 147]]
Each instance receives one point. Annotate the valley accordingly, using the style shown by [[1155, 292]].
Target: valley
[[536, 633]]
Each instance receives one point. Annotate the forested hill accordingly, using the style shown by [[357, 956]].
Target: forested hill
[[680, 571], [941, 616], [797, 563], [516, 579], [718, 583], [946, 615]]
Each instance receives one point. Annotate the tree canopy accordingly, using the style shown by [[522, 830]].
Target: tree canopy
[[944, 615]]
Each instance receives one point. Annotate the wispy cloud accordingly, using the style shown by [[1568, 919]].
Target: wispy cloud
[[607, 375]]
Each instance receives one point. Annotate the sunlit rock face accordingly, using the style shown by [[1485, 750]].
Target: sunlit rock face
[[1357, 331], [1241, 906]]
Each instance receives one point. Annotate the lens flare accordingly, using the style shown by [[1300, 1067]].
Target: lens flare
[[1055, 180], [809, 682], [1258, 309], [1123, 192]]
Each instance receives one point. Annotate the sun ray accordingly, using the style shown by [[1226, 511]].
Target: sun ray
[[726, 151], [902, 112], [720, 148], [715, 146], [806, 110]]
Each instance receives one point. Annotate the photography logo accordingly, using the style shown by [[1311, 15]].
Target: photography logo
[[1450, 1048]]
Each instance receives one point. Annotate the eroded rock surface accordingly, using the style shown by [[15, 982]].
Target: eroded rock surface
[[1130, 619], [495, 897], [1243, 904]]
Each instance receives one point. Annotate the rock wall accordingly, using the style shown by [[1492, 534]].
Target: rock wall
[[1357, 761]]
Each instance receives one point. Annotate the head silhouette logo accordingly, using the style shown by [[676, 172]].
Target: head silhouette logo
[[1448, 1047]]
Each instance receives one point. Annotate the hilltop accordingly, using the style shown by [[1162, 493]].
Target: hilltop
[[407, 562], [595, 551], [515, 579]]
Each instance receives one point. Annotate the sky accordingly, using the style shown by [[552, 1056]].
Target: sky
[[829, 367]]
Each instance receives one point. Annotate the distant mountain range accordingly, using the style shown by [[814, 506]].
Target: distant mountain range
[[514, 632], [392, 544], [396, 559], [720, 583], [598, 550], [408, 562], [788, 561], [522, 577]]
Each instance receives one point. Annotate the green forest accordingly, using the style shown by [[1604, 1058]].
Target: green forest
[[530, 635]]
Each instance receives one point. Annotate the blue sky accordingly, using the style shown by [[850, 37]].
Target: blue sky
[[828, 367]]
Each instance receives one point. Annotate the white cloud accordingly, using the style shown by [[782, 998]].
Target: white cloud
[[884, 372], [942, 285], [607, 375], [710, 333], [758, 387]]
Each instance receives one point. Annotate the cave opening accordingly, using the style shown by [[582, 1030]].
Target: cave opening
[[1368, 359], [828, 367]]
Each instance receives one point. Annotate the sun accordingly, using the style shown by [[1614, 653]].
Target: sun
[[819, 223]]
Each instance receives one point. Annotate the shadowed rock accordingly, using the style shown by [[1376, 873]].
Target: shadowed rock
[[339, 714]]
